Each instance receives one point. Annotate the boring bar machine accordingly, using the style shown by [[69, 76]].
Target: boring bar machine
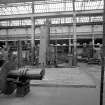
[[12, 79]]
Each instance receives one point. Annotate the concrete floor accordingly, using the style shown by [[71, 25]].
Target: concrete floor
[[54, 96], [65, 76], [75, 92]]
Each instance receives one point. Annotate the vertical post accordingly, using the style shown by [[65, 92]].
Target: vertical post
[[6, 43], [19, 54], [70, 46], [55, 62], [93, 41], [70, 49], [69, 40], [33, 35], [74, 36], [44, 43], [103, 61], [48, 23], [64, 3]]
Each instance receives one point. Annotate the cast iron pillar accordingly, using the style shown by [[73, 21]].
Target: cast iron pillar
[[19, 49], [55, 61], [93, 39], [33, 36], [44, 43], [74, 36], [6, 42], [70, 55]]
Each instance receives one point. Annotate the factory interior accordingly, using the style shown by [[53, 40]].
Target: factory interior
[[52, 52]]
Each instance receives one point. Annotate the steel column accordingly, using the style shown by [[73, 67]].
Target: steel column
[[44, 43], [19, 54], [6, 42], [33, 35], [93, 39], [74, 36], [55, 62], [70, 55]]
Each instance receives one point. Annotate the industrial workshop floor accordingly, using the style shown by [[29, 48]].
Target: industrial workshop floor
[[65, 77], [62, 86]]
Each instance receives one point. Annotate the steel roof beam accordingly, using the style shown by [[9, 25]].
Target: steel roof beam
[[52, 14], [63, 24]]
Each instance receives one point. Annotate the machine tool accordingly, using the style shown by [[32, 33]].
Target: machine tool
[[12, 79]]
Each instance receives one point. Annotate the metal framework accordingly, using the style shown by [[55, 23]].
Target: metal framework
[[57, 20], [50, 6], [19, 14]]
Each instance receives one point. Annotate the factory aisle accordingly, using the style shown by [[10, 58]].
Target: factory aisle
[[65, 77]]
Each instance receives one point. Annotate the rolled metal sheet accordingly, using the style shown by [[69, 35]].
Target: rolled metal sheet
[[30, 74]]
